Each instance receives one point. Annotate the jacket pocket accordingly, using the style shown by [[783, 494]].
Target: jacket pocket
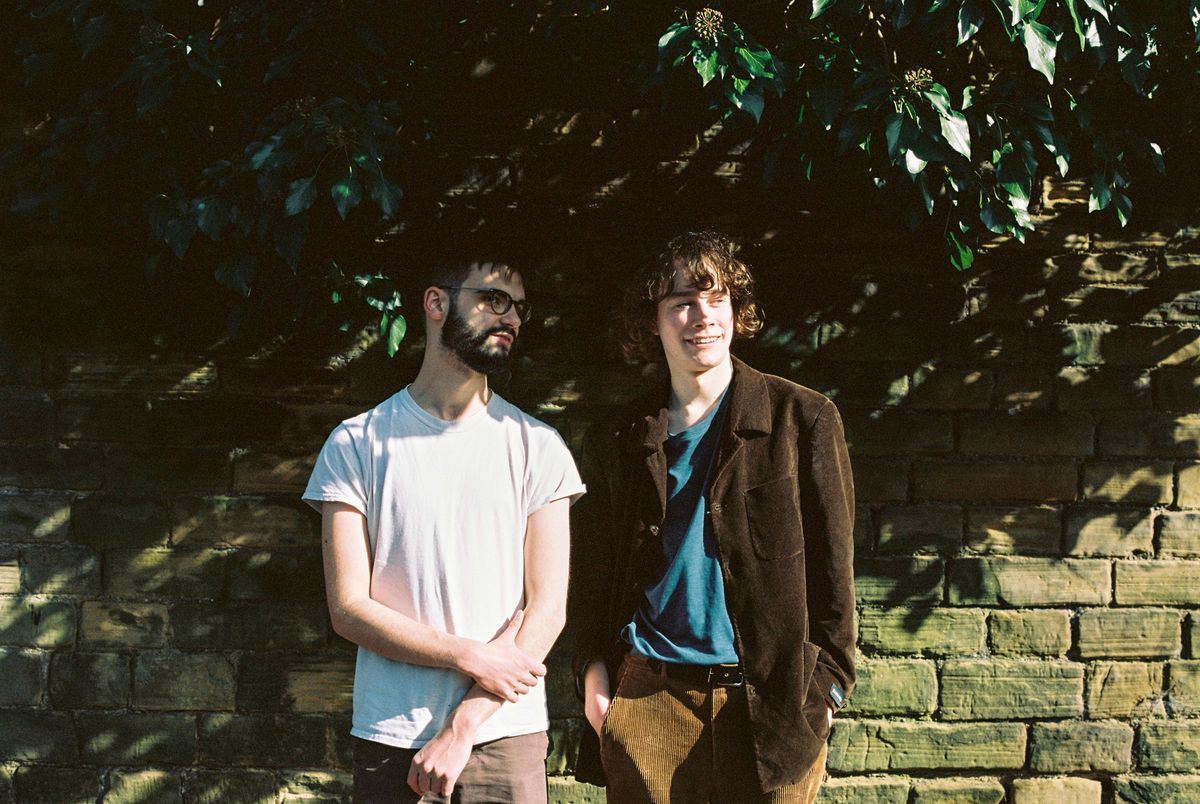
[[816, 709], [773, 515]]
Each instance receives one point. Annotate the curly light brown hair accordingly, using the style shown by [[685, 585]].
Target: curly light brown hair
[[708, 260]]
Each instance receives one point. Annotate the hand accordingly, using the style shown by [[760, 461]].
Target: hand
[[500, 667], [597, 695], [436, 767], [829, 717]]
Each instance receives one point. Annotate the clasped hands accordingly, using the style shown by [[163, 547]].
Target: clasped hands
[[500, 668]]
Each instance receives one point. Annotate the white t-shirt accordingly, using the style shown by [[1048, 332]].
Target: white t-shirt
[[446, 506]]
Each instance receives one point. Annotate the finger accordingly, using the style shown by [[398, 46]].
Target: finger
[[539, 669], [514, 624], [413, 783]]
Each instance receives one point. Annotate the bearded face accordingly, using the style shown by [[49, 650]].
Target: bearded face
[[474, 346]]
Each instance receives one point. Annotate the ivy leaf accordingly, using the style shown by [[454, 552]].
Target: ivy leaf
[[1135, 68], [301, 195], [961, 256], [1099, 7], [758, 62], [819, 7], [913, 163], [346, 194], [1040, 46], [674, 30], [1156, 156], [705, 64], [1124, 207], [178, 235], [1077, 22], [749, 102], [957, 132], [970, 19], [393, 327], [236, 271], [211, 216], [1101, 194], [1026, 10]]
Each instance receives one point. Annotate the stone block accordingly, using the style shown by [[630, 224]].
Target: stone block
[[1169, 746], [920, 528], [88, 373], [28, 466], [1129, 633], [24, 677], [122, 625], [894, 687], [1080, 747], [1150, 435], [315, 787], [1171, 789], [864, 790], [957, 791], [1037, 633], [1014, 530], [137, 738], [172, 680], [244, 522], [46, 784], [1030, 433], [70, 569], [1130, 482], [886, 479], [1020, 388], [564, 737], [1019, 582], [10, 571], [1177, 388], [340, 742], [1179, 534], [929, 631], [143, 787], [34, 517], [998, 689], [1124, 690], [164, 572], [37, 736], [105, 521], [1189, 486], [276, 575], [946, 388], [1066, 790], [259, 471], [995, 481], [259, 626], [1108, 388], [898, 581], [565, 790], [1151, 583], [1109, 532], [309, 683], [158, 468], [228, 785], [37, 621], [262, 740], [900, 433], [1183, 687], [864, 746]]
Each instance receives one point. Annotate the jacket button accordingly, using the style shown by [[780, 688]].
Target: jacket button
[[715, 508], [653, 530]]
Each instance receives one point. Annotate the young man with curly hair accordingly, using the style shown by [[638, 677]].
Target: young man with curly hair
[[713, 589]]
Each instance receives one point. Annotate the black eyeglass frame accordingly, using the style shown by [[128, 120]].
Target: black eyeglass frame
[[506, 302]]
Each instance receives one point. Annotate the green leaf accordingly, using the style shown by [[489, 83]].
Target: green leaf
[[1156, 156], [939, 98], [1101, 193], [1077, 22], [961, 256], [290, 233], [178, 235], [705, 64], [1124, 207], [346, 194], [913, 163], [957, 132], [758, 62], [970, 19], [1099, 7], [819, 7], [211, 216], [1026, 10], [674, 30], [1040, 46], [392, 328], [236, 271], [751, 102], [301, 195]]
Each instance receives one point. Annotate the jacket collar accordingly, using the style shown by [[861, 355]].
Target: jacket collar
[[749, 408]]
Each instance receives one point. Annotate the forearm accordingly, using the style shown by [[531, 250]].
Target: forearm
[[387, 632]]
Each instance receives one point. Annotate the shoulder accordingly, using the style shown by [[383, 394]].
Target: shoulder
[[791, 399], [534, 431], [360, 426]]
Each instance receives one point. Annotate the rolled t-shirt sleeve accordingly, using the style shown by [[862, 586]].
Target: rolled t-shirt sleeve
[[552, 473], [338, 475]]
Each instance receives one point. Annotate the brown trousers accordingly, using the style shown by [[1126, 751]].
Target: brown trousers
[[511, 770], [666, 741]]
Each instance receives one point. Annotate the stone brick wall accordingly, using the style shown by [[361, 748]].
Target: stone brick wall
[[1027, 458]]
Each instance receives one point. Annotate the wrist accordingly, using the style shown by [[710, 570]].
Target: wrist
[[462, 655]]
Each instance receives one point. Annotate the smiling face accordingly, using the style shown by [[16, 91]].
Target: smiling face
[[472, 330], [695, 325]]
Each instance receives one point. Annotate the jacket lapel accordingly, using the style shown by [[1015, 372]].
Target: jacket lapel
[[749, 416]]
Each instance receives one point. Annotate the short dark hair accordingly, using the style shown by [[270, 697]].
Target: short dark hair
[[707, 260]]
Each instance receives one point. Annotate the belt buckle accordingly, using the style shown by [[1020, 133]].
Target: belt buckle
[[732, 676]]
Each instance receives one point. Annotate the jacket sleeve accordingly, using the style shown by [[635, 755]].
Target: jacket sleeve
[[827, 489]]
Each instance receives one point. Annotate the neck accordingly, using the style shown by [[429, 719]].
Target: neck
[[694, 395], [446, 388]]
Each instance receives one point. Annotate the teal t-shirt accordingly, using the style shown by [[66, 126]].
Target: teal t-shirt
[[682, 617]]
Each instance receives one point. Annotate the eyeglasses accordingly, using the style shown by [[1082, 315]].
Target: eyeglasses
[[500, 301]]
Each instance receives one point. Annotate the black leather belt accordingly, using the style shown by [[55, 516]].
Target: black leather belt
[[713, 675]]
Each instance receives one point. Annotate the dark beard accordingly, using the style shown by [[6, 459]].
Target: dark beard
[[470, 345]]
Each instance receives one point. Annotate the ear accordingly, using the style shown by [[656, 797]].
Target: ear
[[434, 304]]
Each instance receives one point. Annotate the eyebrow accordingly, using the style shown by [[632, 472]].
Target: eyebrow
[[694, 291]]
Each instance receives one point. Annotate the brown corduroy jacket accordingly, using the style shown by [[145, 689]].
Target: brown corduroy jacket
[[781, 503]]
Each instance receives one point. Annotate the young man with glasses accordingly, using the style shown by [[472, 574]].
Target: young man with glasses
[[445, 541], [713, 589]]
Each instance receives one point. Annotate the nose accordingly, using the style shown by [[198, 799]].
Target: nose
[[511, 318]]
